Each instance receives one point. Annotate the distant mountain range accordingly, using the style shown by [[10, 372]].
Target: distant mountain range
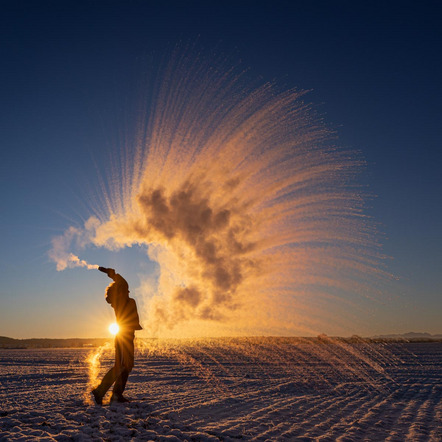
[[410, 336], [11, 343], [6, 342]]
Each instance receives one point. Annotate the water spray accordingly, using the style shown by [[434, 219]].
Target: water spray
[[251, 212]]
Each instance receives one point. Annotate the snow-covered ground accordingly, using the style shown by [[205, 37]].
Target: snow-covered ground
[[229, 389]]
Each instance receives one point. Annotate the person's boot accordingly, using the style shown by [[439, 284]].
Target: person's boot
[[119, 398], [97, 396]]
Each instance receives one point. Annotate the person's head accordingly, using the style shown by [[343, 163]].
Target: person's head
[[117, 292], [111, 294]]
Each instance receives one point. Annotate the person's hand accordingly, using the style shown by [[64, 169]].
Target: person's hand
[[109, 272]]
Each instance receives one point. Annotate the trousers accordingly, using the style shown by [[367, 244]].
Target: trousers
[[124, 362]]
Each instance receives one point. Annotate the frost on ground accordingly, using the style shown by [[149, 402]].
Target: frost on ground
[[229, 389]]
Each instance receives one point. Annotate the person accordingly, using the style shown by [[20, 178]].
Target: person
[[117, 295]]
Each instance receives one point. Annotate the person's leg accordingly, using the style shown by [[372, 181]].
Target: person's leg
[[105, 384], [109, 377], [127, 360], [108, 380], [120, 384]]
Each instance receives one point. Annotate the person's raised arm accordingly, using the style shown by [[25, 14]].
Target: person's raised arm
[[109, 272]]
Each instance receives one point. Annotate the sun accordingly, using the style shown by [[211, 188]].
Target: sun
[[113, 328]]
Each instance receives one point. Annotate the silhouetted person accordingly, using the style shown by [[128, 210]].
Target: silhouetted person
[[117, 295]]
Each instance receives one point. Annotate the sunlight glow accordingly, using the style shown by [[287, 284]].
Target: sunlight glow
[[113, 328]]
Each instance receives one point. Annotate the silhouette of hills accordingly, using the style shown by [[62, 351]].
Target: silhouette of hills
[[411, 336], [6, 342]]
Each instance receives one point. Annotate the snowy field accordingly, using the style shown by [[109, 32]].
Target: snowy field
[[229, 389]]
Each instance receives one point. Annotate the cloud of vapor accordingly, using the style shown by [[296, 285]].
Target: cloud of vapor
[[213, 242], [203, 242], [75, 261], [237, 195], [61, 245]]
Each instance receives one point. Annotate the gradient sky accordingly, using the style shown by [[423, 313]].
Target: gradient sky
[[374, 72]]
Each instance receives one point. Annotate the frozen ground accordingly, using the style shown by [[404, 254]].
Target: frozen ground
[[252, 389]]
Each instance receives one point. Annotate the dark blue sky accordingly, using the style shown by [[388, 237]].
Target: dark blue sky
[[373, 68]]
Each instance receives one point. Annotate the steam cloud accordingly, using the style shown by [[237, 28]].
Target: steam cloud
[[248, 210], [61, 245]]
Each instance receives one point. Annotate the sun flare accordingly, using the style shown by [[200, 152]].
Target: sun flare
[[113, 328]]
